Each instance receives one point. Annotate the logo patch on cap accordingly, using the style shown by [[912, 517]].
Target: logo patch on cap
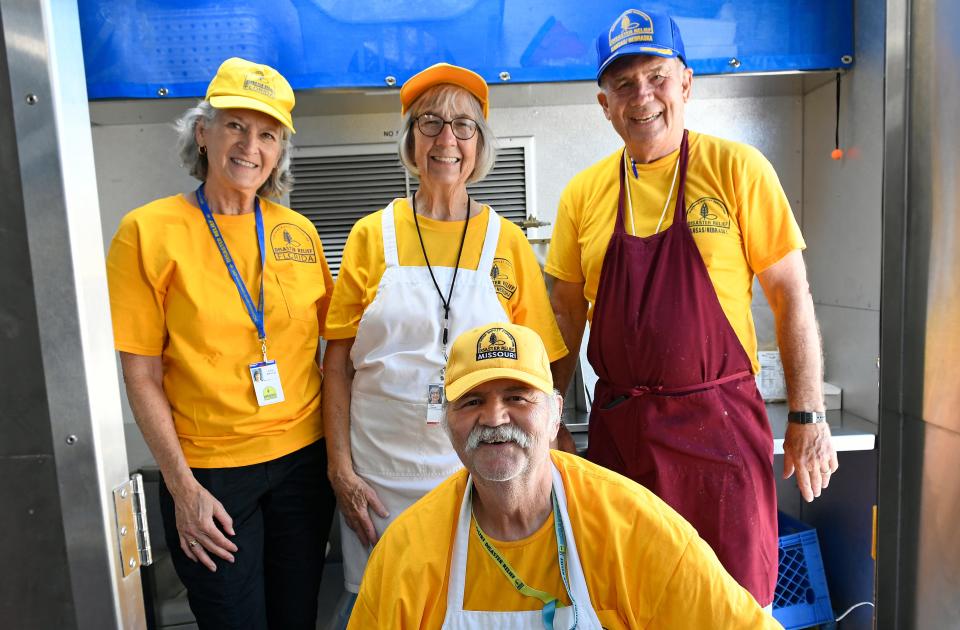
[[496, 343], [256, 82], [632, 26]]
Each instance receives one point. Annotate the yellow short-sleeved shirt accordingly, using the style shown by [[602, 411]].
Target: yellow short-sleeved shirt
[[516, 274], [171, 296], [645, 567], [737, 210]]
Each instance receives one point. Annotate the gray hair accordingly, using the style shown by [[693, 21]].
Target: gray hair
[[280, 181], [440, 97]]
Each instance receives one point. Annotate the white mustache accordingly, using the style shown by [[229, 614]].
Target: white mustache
[[499, 433]]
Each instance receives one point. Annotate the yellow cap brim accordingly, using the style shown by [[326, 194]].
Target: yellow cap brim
[[444, 73], [464, 384], [245, 102]]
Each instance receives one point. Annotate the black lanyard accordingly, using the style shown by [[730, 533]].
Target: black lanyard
[[456, 268]]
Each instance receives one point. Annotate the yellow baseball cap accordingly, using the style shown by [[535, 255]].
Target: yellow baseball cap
[[444, 73], [242, 84], [497, 350]]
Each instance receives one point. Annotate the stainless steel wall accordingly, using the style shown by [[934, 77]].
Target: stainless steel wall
[[61, 450], [842, 215], [919, 551]]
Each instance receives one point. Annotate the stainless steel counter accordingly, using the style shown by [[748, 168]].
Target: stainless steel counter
[[850, 431]]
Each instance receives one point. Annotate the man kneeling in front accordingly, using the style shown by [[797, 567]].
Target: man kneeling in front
[[526, 537]]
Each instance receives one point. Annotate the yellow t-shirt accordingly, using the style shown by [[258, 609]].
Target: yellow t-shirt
[[536, 554], [171, 296], [737, 210], [517, 280], [645, 567]]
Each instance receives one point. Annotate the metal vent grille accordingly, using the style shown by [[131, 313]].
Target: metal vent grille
[[505, 187], [337, 186], [335, 191]]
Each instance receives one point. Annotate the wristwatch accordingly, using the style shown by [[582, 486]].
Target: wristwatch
[[807, 417]]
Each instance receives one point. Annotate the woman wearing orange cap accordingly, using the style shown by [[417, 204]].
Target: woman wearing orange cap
[[414, 276], [218, 298]]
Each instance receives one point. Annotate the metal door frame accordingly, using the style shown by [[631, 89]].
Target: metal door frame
[[45, 99]]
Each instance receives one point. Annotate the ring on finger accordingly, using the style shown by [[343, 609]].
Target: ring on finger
[[193, 542]]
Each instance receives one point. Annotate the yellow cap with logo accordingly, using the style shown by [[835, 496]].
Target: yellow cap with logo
[[495, 351], [242, 84]]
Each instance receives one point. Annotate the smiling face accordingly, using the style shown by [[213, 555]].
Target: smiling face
[[445, 160], [643, 96], [243, 147], [501, 429]]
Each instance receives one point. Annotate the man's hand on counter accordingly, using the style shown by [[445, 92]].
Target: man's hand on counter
[[808, 450]]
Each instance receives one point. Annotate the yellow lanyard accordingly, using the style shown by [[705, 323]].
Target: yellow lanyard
[[550, 603]]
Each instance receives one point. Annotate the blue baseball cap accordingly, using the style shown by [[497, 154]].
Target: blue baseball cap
[[637, 32]]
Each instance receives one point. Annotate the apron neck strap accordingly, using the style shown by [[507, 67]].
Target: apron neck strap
[[618, 227], [680, 214]]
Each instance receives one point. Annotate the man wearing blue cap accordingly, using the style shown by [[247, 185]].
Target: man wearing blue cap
[[658, 245]]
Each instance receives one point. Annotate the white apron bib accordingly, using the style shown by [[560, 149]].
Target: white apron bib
[[459, 619], [396, 354]]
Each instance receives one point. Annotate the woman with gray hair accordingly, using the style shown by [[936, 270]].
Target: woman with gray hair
[[414, 276], [218, 298]]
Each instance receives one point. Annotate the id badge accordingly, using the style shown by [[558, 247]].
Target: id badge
[[266, 383], [434, 403]]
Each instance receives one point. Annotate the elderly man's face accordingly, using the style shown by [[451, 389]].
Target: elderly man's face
[[501, 428], [643, 96]]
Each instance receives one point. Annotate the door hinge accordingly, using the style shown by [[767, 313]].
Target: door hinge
[[133, 532]]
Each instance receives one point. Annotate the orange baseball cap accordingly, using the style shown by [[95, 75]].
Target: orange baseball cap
[[444, 73], [494, 351], [242, 84]]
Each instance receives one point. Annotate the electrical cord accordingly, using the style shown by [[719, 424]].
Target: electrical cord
[[852, 608]]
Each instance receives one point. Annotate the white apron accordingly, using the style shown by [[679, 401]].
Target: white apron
[[459, 619], [396, 354]]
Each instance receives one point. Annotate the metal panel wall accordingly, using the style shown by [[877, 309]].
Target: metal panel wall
[[60, 423], [919, 556], [842, 216]]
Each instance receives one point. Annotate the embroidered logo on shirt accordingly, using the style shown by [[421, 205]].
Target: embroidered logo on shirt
[[290, 242], [708, 215], [496, 343], [503, 277]]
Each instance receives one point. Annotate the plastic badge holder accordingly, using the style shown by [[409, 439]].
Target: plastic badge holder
[[801, 598]]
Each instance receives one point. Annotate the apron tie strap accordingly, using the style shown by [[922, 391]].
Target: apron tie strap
[[636, 391], [643, 390]]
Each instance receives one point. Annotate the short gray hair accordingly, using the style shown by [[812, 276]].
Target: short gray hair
[[443, 96], [280, 181]]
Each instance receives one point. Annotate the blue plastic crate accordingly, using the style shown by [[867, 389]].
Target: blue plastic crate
[[801, 598]]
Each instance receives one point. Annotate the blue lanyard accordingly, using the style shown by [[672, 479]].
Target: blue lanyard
[[550, 603], [254, 310]]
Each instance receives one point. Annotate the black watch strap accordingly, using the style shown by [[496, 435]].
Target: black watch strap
[[806, 417]]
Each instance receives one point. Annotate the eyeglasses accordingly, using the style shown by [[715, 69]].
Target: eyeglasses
[[431, 125]]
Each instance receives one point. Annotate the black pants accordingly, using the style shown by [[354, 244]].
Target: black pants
[[282, 511]]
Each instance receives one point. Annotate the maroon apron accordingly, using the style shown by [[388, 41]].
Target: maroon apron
[[676, 407]]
